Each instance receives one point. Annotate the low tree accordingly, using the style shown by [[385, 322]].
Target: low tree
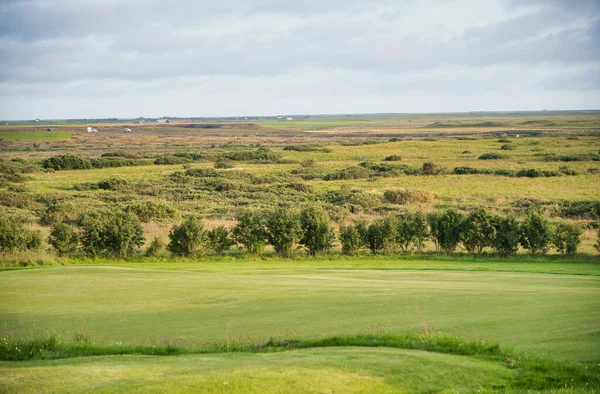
[[63, 238], [283, 230], [316, 233], [508, 234], [187, 237], [411, 230], [250, 232], [566, 238], [421, 230], [477, 231], [379, 235], [350, 239], [535, 233], [218, 239], [446, 229], [111, 232]]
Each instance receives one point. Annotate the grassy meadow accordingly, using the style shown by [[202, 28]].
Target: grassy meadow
[[388, 322]]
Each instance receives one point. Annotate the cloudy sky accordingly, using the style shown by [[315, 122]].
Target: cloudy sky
[[129, 58]]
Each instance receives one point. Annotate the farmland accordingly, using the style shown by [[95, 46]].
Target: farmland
[[240, 320]]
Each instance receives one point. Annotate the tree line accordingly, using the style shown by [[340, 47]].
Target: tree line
[[119, 233]]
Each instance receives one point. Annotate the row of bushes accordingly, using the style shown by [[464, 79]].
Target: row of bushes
[[118, 233]]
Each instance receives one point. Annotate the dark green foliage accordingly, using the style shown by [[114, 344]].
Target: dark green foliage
[[63, 238], [223, 163], [393, 158], [535, 233], [405, 197], [156, 246], [114, 184], [411, 230], [283, 230], [597, 244], [350, 239], [566, 238], [504, 141], [250, 232], [316, 233], [67, 162], [349, 173], [478, 231], [186, 238], [491, 156], [445, 229], [380, 234], [170, 160], [261, 155], [218, 239], [579, 209], [14, 237], [431, 169], [307, 148], [112, 233], [109, 162], [535, 173], [148, 211], [574, 157], [508, 235], [507, 147]]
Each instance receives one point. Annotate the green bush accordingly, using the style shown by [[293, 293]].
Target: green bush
[[111, 162], [507, 147], [14, 237], [283, 230], [491, 156], [187, 237], [406, 197], [218, 239], [566, 238], [366, 200], [431, 169], [393, 158], [350, 239], [63, 238], [478, 231], [380, 234], [412, 230], [316, 233], [535, 233], [112, 232], [445, 229], [148, 211], [223, 163], [250, 232], [171, 160], [67, 162], [508, 235], [349, 173], [156, 246]]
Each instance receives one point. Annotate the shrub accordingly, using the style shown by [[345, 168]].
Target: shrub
[[114, 184], [223, 163], [508, 234], [507, 147], [218, 239], [411, 230], [566, 238], [406, 197], [431, 169], [367, 200], [148, 211], [156, 246], [351, 239], [111, 162], [504, 141], [380, 234], [597, 244], [535, 173], [393, 158], [445, 229], [316, 233], [262, 154], [63, 238], [112, 232], [14, 237], [478, 231], [349, 173], [491, 156], [250, 232], [170, 160], [536, 234], [283, 230], [187, 237], [67, 162]]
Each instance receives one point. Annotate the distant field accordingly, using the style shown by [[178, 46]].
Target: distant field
[[34, 135]]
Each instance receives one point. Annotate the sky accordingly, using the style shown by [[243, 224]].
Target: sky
[[128, 58]]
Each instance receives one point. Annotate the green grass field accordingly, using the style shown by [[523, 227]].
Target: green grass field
[[544, 308]]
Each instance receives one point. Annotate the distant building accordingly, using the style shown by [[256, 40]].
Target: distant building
[[126, 130]]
